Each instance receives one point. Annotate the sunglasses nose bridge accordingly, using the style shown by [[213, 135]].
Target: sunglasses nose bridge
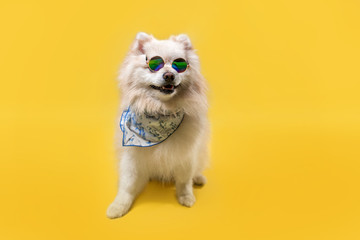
[[167, 67]]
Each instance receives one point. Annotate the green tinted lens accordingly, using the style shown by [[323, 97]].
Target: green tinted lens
[[179, 65], [156, 63]]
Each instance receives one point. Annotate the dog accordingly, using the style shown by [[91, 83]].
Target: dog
[[164, 129]]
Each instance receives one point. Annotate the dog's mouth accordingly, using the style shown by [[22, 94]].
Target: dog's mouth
[[167, 89]]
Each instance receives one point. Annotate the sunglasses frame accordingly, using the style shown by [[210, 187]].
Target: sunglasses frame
[[148, 61]]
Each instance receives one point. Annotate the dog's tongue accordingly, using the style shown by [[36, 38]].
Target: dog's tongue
[[168, 87]]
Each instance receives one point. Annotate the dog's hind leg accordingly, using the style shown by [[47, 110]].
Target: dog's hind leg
[[199, 180]]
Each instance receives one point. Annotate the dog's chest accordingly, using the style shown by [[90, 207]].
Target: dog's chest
[[176, 152]]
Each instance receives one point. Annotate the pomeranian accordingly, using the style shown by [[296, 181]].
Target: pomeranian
[[164, 129]]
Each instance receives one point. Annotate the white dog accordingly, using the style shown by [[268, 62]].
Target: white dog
[[164, 129]]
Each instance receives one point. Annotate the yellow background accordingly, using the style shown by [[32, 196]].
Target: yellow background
[[284, 107]]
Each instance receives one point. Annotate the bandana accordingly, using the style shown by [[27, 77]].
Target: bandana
[[145, 130]]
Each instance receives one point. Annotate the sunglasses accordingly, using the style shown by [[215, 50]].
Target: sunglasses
[[157, 63]]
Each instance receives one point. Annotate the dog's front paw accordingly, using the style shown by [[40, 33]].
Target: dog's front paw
[[187, 200], [116, 210]]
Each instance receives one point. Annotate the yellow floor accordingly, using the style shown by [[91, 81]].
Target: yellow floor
[[284, 105]]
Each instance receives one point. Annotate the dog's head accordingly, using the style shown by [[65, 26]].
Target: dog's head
[[160, 73]]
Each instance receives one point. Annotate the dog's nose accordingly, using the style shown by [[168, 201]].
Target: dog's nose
[[169, 77]]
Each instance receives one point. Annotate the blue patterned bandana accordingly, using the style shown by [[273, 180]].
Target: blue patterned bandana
[[145, 130]]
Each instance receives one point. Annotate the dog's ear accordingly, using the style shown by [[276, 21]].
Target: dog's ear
[[140, 40], [184, 39]]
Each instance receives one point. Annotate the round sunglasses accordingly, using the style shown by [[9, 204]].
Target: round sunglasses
[[156, 63]]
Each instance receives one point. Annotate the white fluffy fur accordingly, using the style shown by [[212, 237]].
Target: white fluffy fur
[[183, 156]]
